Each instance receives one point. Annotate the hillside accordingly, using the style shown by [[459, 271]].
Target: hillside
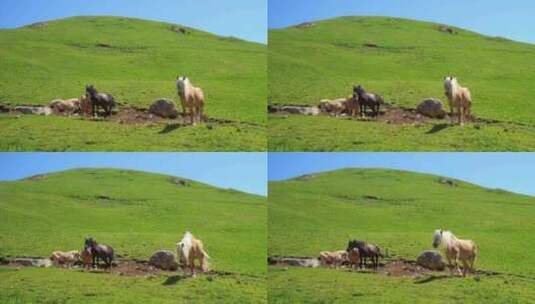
[[399, 211], [137, 213], [137, 62], [404, 61]]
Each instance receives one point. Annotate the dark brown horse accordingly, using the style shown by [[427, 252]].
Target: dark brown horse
[[99, 251], [103, 100], [370, 100], [366, 251]]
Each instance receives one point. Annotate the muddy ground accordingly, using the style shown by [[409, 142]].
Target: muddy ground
[[129, 115], [396, 267], [122, 267], [389, 114]]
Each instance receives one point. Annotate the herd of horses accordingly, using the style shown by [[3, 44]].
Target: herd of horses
[[191, 97], [457, 251], [188, 250], [459, 100]]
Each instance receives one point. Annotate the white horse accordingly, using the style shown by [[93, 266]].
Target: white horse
[[456, 250], [190, 249], [191, 97], [459, 98]]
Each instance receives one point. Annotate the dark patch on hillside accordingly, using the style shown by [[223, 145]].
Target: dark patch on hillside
[[305, 25], [305, 177], [447, 29], [107, 199], [104, 46], [230, 39], [38, 25], [371, 45], [179, 30], [180, 182], [447, 182], [37, 177]]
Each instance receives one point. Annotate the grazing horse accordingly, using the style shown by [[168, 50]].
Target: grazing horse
[[189, 249], [456, 250], [459, 98], [365, 250], [371, 100], [99, 251], [191, 97], [103, 100]]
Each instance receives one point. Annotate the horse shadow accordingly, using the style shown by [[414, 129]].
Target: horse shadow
[[172, 280], [171, 127], [431, 278], [437, 128]]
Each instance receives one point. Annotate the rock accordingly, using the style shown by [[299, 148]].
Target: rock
[[180, 182], [431, 107], [164, 107], [447, 181], [38, 110], [446, 29], [33, 262], [431, 259], [164, 259], [305, 25]]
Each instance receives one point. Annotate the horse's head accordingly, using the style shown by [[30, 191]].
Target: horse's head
[[88, 242], [437, 238], [352, 244]]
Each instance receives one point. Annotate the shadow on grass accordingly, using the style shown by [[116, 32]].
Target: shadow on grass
[[172, 280], [171, 127], [437, 128], [431, 278]]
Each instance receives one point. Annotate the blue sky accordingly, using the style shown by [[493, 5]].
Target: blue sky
[[513, 19], [510, 171], [246, 19], [242, 171]]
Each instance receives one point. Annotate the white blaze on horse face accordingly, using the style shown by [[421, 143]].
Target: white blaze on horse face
[[437, 238]]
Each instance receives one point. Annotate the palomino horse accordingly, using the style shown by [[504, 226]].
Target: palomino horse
[[459, 98], [371, 100], [99, 251], [189, 249], [456, 250], [365, 250], [103, 100], [191, 97]]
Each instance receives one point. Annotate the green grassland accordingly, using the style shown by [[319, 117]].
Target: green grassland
[[410, 59], [139, 63], [398, 211], [136, 213]]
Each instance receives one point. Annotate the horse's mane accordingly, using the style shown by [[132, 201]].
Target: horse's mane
[[186, 244], [184, 85], [448, 238]]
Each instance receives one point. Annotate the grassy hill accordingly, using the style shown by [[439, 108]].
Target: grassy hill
[[404, 61], [135, 60], [137, 213], [399, 211]]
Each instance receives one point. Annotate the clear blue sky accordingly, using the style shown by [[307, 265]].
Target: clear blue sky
[[242, 171], [514, 19], [510, 171], [246, 19]]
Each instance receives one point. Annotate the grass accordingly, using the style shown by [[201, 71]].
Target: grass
[[307, 133], [398, 211], [137, 61], [408, 64], [136, 213]]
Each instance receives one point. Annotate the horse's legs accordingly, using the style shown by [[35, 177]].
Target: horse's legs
[[460, 112]]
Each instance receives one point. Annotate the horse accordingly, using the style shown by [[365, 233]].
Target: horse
[[333, 258], [103, 100], [191, 97], [189, 249], [371, 100], [353, 256], [365, 250], [87, 258], [456, 250], [86, 106], [352, 106], [99, 251], [459, 98], [65, 258]]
